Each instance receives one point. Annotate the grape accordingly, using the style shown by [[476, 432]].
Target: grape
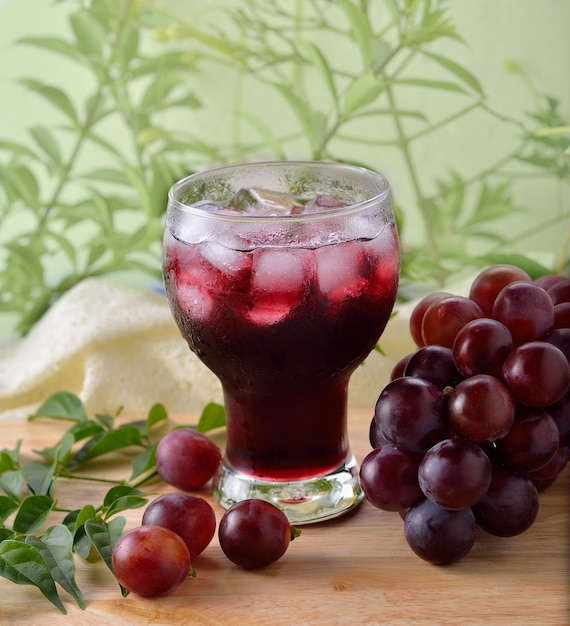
[[438, 535], [510, 505], [400, 366], [376, 436], [561, 315], [560, 292], [410, 412], [560, 412], [389, 478], [190, 517], [454, 474], [561, 339], [434, 363], [554, 467], [525, 309], [537, 373], [481, 409], [489, 282], [254, 533], [531, 443], [187, 459], [150, 561], [444, 318], [481, 347], [548, 280], [418, 312]]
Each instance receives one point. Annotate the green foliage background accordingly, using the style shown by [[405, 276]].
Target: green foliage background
[[130, 82]]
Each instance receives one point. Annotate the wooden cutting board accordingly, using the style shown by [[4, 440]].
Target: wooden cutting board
[[357, 569]]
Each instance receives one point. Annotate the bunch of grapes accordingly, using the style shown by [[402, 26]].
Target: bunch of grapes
[[475, 423]]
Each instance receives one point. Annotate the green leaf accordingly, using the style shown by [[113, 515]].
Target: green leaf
[[125, 503], [156, 414], [302, 111], [7, 507], [54, 44], [156, 94], [432, 84], [362, 92], [213, 416], [104, 535], [24, 183], [32, 513], [267, 135], [107, 175], [63, 405], [106, 442], [39, 478], [360, 30], [55, 546], [22, 564], [144, 461], [11, 484], [75, 521], [458, 70], [46, 141], [128, 46], [320, 63], [493, 202], [88, 33], [6, 462], [54, 95]]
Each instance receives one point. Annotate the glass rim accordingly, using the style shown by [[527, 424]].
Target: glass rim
[[175, 203]]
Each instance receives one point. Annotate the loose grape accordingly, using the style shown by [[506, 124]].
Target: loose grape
[[254, 533], [531, 443], [454, 474], [410, 412], [481, 409], [446, 317], [537, 373], [525, 309], [438, 535], [418, 312], [481, 347], [510, 505], [488, 283], [389, 478], [434, 363], [190, 517], [150, 561], [187, 459]]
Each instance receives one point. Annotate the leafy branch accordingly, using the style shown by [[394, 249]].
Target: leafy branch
[[33, 554]]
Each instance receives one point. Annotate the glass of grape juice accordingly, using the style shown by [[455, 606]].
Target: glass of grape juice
[[281, 276]]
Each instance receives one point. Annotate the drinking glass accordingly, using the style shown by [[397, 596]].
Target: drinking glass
[[281, 277]]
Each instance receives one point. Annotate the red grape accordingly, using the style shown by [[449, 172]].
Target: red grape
[[438, 535], [510, 505], [561, 315], [150, 561], [548, 280], [400, 366], [376, 436], [561, 339], [187, 459], [254, 533], [560, 412], [531, 443], [389, 478], [537, 373], [190, 517], [434, 363], [410, 412], [554, 467], [525, 309], [455, 474], [481, 347], [560, 292], [446, 317], [481, 409], [418, 312], [489, 282]]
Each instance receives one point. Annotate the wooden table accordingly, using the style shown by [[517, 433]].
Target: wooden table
[[357, 569]]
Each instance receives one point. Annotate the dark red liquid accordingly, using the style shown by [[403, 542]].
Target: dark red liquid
[[284, 329]]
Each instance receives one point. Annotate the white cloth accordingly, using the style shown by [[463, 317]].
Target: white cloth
[[115, 345]]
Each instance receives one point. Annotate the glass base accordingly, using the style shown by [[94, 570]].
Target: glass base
[[303, 501]]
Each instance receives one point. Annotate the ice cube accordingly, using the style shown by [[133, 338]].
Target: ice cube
[[257, 201], [194, 302], [224, 259], [339, 270], [278, 283], [322, 202]]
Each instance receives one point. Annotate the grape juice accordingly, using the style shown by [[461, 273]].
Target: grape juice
[[283, 328]]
